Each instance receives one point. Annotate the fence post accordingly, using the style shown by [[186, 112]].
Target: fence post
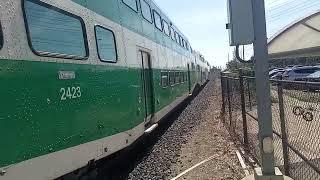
[[249, 96], [284, 136], [223, 110], [229, 102], [243, 109]]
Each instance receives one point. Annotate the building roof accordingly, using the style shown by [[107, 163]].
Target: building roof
[[299, 39]]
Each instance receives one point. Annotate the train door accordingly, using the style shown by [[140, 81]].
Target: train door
[[147, 84]]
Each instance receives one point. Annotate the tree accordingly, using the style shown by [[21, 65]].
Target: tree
[[234, 65]]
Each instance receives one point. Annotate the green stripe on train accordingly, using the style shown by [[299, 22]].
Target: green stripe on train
[[38, 117]]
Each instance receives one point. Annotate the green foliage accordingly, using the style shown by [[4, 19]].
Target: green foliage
[[234, 66]]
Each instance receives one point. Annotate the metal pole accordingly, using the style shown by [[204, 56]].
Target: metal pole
[[243, 109], [284, 136], [229, 101], [223, 94], [243, 52], [249, 95], [263, 88]]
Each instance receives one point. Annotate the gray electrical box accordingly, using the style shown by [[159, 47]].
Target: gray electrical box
[[240, 22]]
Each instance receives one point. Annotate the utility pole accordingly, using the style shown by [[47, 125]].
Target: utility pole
[[247, 25], [261, 66], [263, 87]]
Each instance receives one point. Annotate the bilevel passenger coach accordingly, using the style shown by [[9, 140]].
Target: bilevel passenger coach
[[83, 79]]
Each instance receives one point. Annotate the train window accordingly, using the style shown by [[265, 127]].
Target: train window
[[180, 40], [176, 37], [192, 66], [177, 76], [1, 37], [146, 11], [172, 35], [131, 4], [181, 77], [187, 46], [172, 78], [54, 32], [166, 28], [183, 43], [186, 76], [106, 44], [164, 79], [157, 20]]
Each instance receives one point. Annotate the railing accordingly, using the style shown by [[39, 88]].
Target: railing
[[296, 121]]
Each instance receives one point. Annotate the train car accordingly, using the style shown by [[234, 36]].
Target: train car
[[202, 69], [81, 80]]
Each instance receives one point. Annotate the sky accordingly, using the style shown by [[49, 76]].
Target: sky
[[203, 22]]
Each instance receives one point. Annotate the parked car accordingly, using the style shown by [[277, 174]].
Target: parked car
[[297, 66], [278, 75], [299, 73], [275, 71], [314, 77], [289, 67]]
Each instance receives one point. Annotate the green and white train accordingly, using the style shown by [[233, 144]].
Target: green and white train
[[83, 79]]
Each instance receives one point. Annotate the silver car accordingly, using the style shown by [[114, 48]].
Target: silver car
[[299, 73], [275, 71]]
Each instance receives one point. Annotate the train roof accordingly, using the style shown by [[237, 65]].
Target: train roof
[[106, 9], [166, 17]]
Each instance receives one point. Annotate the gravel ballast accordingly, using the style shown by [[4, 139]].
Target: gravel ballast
[[193, 136]]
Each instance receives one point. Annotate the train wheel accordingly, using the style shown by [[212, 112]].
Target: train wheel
[[298, 111], [308, 116]]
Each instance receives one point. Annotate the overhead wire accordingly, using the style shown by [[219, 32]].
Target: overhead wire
[[283, 5], [294, 8], [285, 11], [289, 14], [270, 2], [287, 7]]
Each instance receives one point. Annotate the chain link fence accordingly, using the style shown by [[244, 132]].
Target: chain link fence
[[296, 125], [232, 105]]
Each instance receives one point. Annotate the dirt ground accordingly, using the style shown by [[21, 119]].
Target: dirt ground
[[210, 139]]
